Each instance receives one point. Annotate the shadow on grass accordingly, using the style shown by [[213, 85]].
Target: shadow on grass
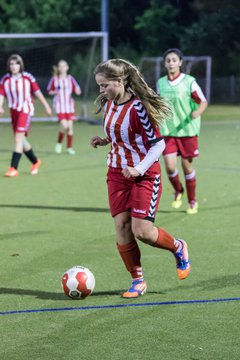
[[52, 295], [211, 284], [21, 234], [63, 208], [70, 208]]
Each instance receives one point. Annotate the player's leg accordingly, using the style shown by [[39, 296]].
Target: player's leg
[[146, 196], [70, 149], [28, 151], [63, 126], [119, 195], [170, 162], [16, 155], [170, 159], [145, 231], [130, 254], [190, 179]]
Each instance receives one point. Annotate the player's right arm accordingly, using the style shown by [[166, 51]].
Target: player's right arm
[[1, 104], [98, 141]]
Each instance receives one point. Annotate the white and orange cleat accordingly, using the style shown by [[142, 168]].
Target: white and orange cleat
[[183, 262], [35, 167], [137, 289], [12, 172]]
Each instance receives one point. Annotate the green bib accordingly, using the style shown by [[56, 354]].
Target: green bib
[[180, 124]]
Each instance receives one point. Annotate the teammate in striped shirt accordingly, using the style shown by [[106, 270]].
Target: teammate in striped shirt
[[18, 86], [62, 86], [182, 129], [132, 112]]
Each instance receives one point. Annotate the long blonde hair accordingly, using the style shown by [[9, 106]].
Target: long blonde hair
[[114, 69]]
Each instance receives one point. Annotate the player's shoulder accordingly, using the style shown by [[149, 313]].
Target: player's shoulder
[[138, 106], [189, 78], [28, 75], [5, 77]]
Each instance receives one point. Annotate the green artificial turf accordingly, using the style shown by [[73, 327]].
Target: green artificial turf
[[60, 218]]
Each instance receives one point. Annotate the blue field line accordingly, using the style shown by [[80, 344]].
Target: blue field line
[[180, 302]]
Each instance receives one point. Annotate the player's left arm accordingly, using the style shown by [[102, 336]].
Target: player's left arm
[[198, 96], [76, 87], [156, 144], [42, 99]]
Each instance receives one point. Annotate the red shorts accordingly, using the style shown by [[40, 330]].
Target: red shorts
[[186, 147], [139, 195], [66, 116], [20, 121]]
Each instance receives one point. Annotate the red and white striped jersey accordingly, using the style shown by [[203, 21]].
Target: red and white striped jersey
[[131, 133], [63, 102], [18, 90]]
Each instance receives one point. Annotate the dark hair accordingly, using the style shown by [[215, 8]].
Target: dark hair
[[18, 60], [175, 51]]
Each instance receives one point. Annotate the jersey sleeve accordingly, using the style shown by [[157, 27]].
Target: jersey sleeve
[[141, 125], [2, 90], [75, 84], [33, 82], [196, 93], [50, 86]]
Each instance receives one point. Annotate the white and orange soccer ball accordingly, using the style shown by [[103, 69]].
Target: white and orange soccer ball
[[78, 282]]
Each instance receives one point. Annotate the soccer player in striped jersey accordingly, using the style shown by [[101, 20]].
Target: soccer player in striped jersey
[[132, 112], [62, 86], [18, 86], [182, 129]]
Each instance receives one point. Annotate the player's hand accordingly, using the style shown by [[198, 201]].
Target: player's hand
[[194, 115], [98, 141], [129, 172], [48, 110]]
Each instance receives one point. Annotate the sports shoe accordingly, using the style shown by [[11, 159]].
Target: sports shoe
[[177, 200], [193, 208], [35, 167], [137, 289], [11, 172], [183, 262], [58, 148], [71, 151]]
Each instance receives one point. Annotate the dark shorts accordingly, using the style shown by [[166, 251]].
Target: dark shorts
[[186, 147], [140, 195]]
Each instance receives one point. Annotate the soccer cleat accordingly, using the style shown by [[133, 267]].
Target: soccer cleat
[[11, 172], [193, 208], [183, 262], [137, 289], [35, 167], [71, 151], [177, 200], [58, 148]]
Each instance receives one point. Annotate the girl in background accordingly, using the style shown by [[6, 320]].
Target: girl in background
[[62, 86], [132, 112], [182, 129], [18, 87]]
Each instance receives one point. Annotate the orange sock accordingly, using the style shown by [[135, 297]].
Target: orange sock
[[166, 241], [131, 257]]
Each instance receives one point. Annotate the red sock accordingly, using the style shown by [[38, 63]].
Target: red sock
[[166, 241], [174, 179], [60, 137], [131, 257], [191, 186], [69, 141]]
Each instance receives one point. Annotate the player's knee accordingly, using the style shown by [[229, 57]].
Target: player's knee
[[140, 233], [123, 228]]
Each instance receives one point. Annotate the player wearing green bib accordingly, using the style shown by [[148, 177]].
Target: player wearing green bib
[[181, 131]]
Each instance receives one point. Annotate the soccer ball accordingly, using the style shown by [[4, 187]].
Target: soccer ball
[[78, 282]]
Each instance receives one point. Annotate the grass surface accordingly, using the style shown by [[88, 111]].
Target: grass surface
[[60, 218]]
